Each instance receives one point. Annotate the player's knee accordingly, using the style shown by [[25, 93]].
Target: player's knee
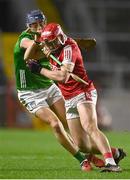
[[91, 128]]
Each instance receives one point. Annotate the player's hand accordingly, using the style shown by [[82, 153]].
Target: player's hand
[[34, 66]]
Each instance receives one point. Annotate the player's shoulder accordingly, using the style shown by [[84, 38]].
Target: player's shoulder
[[71, 41], [70, 44], [25, 34]]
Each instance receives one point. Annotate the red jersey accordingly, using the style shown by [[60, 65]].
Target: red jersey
[[70, 53]]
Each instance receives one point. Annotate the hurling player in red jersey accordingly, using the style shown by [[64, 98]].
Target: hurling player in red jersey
[[80, 99]]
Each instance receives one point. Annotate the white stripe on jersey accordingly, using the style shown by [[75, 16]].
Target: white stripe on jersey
[[22, 78], [67, 55]]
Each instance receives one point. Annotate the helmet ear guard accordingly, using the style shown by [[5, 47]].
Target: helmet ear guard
[[35, 15]]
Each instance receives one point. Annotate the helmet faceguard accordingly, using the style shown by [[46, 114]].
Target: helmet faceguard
[[34, 16], [53, 36]]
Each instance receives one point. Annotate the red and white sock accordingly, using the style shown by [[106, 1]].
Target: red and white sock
[[109, 158]]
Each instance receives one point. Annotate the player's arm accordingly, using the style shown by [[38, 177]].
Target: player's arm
[[33, 52], [32, 49], [57, 75]]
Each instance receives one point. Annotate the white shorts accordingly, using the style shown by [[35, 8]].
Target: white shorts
[[35, 99], [72, 104]]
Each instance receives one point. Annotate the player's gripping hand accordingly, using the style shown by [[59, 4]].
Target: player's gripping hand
[[34, 66]]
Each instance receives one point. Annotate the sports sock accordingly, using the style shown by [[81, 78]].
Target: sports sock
[[109, 158], [79, 156]]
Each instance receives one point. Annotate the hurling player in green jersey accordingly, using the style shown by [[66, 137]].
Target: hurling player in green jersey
[[39, 94]]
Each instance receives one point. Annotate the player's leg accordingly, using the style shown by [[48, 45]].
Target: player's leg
[[88, 117], [87, 145], [56, 103], [84, 142], [81, 138], [59, 105], [37, 103], [49, 117], [59, 109]]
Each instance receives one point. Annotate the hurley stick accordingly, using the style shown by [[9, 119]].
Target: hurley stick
[[86, 43]]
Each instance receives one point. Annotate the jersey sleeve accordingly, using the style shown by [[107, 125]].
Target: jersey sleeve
[[26, 35], [69, 54]]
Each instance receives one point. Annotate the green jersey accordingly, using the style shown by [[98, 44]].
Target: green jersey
[[25, 79]]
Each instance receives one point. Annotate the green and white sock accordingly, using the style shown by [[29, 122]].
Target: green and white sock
[[80, 157]]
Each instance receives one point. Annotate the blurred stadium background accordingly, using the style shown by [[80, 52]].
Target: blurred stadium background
[[108, 64]]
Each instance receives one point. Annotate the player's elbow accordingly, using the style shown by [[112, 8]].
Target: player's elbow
[[56, 75]]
